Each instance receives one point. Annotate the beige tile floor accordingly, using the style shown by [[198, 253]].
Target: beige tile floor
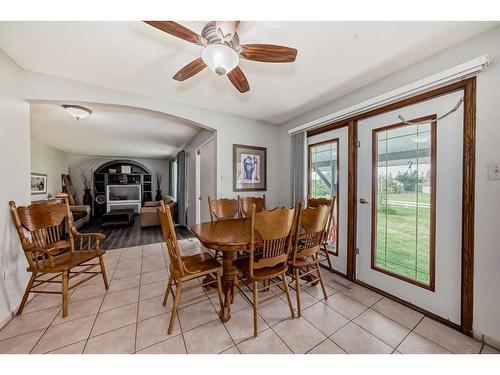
[[130, 318]]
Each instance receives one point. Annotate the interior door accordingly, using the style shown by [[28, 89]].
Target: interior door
[[206, 164], [327, 176], [409, 208]]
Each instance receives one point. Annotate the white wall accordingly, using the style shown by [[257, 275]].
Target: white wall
[[77, 163], [15, 172], [191, 149], [50, 161], [487, 203]]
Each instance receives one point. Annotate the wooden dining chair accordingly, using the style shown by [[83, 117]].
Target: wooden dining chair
[[271, 233], [49, 252], [245, 205], [222, 209], [304, 260], [315, 202], [185, 268]]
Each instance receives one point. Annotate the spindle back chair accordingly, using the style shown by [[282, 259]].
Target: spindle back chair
[[185, 268], [315, 202], [50, 251], [304, 260]]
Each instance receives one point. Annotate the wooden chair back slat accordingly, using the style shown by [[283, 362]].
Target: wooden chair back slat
[[245, 204], [223, 209], [274, 230], [42, 222], [316, 202], [168, 229], [41, 216], [312, 222]]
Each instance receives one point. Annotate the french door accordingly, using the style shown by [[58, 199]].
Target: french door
[[409, 209], [327, 177]]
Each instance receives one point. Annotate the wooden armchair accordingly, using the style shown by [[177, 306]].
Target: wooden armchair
[[316, 202], [271, 232], [185, 268], [49, 252], [304, 261], [245, 205]]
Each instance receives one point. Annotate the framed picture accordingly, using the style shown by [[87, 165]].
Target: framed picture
[[249, 168], [126, 169], [38, 183]]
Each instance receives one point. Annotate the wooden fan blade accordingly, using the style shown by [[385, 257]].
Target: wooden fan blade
[[190, 70], [268, 53], [239, 80], [175, 29]]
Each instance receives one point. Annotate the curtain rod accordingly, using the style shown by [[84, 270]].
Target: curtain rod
[[456, 73]]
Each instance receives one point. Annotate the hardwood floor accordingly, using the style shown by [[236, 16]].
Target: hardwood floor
[[132, 235]]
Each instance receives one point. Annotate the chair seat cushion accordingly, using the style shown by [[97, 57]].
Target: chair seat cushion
[[303, 262], [203, 262], [66, 261], [243, 265]]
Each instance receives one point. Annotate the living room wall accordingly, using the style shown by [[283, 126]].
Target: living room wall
[[79, 163], [15, 167], [50, 161]]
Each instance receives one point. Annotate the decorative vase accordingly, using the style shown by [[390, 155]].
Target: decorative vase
[[158, 195], [87, 197]]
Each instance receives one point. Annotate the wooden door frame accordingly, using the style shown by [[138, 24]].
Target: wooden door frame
[[468, 188]]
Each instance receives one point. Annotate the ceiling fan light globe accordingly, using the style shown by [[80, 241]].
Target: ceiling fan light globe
[[220, 58]]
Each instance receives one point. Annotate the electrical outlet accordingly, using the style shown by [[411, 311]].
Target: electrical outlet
[[494, 171]]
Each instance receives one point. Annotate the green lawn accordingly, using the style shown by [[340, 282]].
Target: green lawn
[[410, 197], [404, 251]]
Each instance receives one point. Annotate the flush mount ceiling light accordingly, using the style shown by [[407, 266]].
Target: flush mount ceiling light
[[77, 111]]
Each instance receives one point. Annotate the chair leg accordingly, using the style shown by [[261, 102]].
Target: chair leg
[[26, 293], [321, 281], [219, 290], [297, 290], [255, 287], [169, 286], [327, 256], [174, 309], [65, 279], [287, 291], [103, 271]]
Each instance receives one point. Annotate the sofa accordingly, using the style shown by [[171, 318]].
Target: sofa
[[149, 214], [81, 215]]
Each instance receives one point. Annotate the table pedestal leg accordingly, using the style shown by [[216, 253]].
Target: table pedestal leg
[[228, 279]]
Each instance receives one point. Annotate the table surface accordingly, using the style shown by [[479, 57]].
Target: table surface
[[233, 234]]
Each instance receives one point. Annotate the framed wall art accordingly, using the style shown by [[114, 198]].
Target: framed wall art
[[38, 183], [249, 168]]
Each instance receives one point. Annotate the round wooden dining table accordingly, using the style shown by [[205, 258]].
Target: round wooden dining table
[[228, 237]]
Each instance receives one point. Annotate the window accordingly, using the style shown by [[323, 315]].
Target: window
[[403, 215], [173, 176], [323, 181]]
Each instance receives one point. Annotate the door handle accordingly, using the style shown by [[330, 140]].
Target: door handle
[[363, 201]]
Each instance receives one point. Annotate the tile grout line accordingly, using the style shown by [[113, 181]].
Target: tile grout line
[[138, 301], [229, 334], [411, 330], [100, 306], [50, 324]]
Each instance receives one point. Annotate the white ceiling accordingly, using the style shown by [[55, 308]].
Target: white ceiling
[[334, 59], [128, 132]]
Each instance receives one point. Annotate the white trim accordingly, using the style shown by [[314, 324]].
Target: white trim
[[445, 77]]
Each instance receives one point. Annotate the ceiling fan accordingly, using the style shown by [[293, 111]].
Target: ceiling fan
[[222, 50]]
